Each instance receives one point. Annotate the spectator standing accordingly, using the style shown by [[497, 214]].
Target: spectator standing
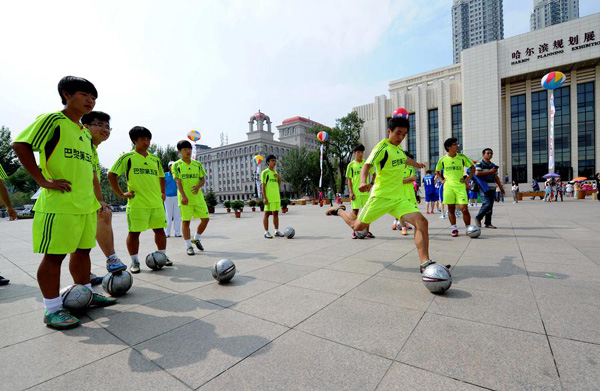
[[515, 192], [486, 174], [535, 186], [569, 189], [559, 190], [330, 196], [171, 206], [548, 189], [598, 185]]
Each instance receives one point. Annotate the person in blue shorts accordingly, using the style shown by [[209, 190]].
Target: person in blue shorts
[[440, 196]]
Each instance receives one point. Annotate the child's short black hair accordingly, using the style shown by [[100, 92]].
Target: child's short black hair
[[448, 143], [72, 84], [184, 144], [428, 172], [139, 131], [398, 122], [94, 116], [271, 157], [358, 148]]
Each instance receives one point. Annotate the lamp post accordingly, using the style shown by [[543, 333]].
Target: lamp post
[[307, 181]]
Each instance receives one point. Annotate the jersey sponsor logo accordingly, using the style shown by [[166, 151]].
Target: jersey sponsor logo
[[454, 168], [398, 162], [72, 153], [189, 176], [145, 171]]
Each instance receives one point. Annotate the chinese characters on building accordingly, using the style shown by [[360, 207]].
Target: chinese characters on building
[[555, 47]]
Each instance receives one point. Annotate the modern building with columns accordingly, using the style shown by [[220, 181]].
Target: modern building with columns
[[494, 99]]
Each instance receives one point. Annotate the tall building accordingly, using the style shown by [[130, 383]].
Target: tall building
[[475, 22], [550, 12], [295, 131]]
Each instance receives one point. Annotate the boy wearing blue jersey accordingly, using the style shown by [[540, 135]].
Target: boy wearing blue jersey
[[430, 191]]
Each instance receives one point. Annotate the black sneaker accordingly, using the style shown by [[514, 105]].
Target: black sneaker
[[198, 244], [424, 266], [4, 281]]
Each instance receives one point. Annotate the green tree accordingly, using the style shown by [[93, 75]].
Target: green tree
[[294, 170], [107, 192], [166, 155], [8, 158], [22, 182]]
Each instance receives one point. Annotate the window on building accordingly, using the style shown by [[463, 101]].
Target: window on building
[[586, 129], [434, 145], [518, 138], [411, 143], [539, 133], [457, 124], [562, 132]]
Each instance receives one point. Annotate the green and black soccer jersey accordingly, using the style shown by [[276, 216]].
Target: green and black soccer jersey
[[353, 172], [142, 175], [96, 161], [454, 168], [2, 173], [189, 175], [389, 161], [271, 185], [65, 150], [409, 188]]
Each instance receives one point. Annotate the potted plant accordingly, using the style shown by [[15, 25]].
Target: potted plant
[[211, 200], [315, 201], [252, 204], [227, 204], [284, 205], [261, 204], [238, 207]]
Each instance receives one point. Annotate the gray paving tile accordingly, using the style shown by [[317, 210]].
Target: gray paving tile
[[576, 258], [484, 355], [286, 305], [297, 361], [559, 271], [22, 327], [199, 351], [238, 289], [314, 260], [108, 374], [46, 357], [20, 305], [403, 377], [375, 328], [401, 293], [330, 281], [280, 272], [578, 363]]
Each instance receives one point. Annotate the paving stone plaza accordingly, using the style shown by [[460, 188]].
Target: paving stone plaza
[[325, 312]]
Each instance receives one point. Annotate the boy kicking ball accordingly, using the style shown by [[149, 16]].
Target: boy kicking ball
[[270, 181], [455, 191], [358, 198], [66, 210], [388, 195], [190, 177], [145, 194]]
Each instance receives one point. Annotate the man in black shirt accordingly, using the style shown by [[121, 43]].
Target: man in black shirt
[[487, 172]]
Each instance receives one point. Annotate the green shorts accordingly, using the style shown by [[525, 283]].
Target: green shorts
[[59, 233], [142, 219], [273, 206], [199, 211], [377, 207], [455, 195], [359, 201]]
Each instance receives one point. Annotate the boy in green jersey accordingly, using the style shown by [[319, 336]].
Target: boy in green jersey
[[357, 197], [387, 195], [67, 208], [145, 194], [454, 179], [12, 214], [408, 187], [270, 181], [190, 176], [98, 124]]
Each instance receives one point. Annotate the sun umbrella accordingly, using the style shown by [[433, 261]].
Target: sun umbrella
[[551, 175], [579, 179]]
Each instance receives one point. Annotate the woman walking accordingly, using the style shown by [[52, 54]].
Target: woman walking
[[515, 192]]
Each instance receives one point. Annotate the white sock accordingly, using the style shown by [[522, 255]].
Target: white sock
[[134, 258], [267, 231], [196, 236], [163, 251], [112, 256], [188, 243], [453, 227], [53, 305], [89, 286], [396, 221]]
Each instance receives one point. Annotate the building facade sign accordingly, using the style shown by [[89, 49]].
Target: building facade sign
[[556, 47]]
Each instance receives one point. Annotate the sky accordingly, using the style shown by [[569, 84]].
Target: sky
[[209, 65]]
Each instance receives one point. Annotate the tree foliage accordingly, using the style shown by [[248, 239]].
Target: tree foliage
[[166, 154], [8, 158], [300, 169], [22, 182]]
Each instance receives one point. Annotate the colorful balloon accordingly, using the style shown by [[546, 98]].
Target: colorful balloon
[[323, 136], [400, 112], [553, 80], [257, 159], [194, 135]]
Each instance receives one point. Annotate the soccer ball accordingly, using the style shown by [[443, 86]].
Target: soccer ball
[[223, 270], [76, 297], [361, 234], [436, 278], [117, 284], [473, 231], [156, 260], [289, 232]]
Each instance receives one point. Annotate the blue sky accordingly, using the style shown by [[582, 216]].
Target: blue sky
[[209, 65]]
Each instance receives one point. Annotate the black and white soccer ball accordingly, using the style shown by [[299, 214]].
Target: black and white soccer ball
[[437, 278], [223, 270], [156, 260], [117, 284], [289, 232], [76, 297], [473, 231]]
